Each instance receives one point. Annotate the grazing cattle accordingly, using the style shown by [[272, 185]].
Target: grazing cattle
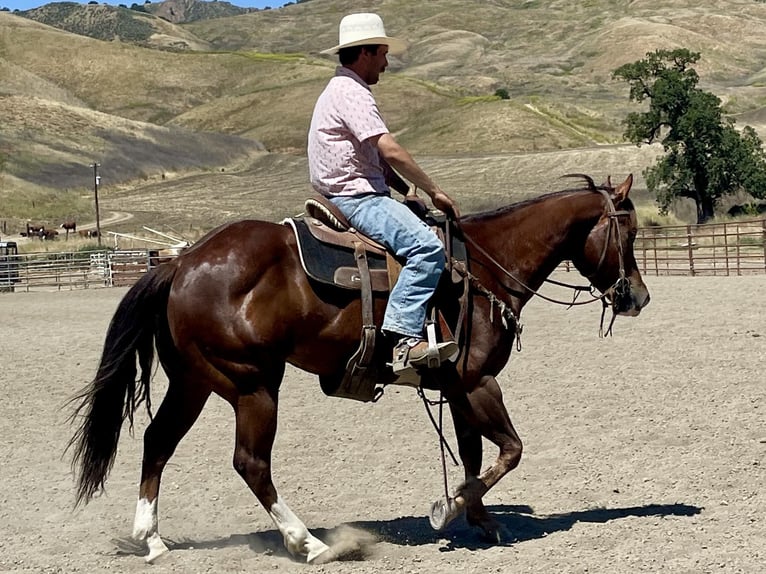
[[87, 233], [69, 225], [33, 230]]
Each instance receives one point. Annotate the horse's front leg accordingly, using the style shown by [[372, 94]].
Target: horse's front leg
[[476, 414]]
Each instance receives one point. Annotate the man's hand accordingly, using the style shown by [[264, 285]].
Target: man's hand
[[444, 203], [400, 159]]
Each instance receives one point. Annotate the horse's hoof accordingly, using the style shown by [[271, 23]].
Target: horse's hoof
[[341, 550], [156, 548], [443, 512]]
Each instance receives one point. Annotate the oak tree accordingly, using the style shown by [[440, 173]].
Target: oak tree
[[706, 156]]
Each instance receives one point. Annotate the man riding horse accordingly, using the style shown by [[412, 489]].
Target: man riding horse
[[351, 155], [231, 312]]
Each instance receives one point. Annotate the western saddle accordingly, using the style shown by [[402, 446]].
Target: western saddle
[[333, 252]]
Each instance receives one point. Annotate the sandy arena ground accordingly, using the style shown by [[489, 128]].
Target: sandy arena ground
[[644, 452]]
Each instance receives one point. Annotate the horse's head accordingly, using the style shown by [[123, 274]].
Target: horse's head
[[607, 258]]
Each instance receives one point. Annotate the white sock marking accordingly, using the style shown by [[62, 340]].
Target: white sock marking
[[145, 523], [298, 540]]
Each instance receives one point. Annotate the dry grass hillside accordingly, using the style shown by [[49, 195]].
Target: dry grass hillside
[[112, 23], [234, 85], [179, 11], [275, 186]]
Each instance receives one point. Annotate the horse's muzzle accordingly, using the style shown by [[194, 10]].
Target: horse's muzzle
[[627, 299]]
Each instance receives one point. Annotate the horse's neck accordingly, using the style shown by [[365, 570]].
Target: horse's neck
[[531, 239]]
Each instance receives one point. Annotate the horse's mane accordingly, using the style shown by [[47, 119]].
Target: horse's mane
[[588, 185]]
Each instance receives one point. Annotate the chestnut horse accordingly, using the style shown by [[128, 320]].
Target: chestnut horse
[[230, 312]]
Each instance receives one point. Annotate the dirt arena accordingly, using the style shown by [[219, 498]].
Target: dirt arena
[[644, 452]]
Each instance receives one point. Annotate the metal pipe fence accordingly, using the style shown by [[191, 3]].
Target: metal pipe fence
[[74, 270], [731, 248]]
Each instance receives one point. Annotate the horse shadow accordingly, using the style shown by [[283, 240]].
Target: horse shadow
[[519, 521]]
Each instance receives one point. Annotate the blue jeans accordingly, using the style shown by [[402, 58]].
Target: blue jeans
[[391, 223]]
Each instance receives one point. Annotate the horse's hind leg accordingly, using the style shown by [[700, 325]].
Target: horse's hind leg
[[177, 413], [256, 414]]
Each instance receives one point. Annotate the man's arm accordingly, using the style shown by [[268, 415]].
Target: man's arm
[[393, 179], [400, 159]]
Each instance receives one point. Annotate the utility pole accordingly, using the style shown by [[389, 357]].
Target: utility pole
[[96, 181]]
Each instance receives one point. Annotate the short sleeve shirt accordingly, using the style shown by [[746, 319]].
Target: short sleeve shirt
[[342, 161]]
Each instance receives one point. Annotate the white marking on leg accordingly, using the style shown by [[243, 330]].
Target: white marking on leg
[[145, 528], [156, 548], [145, 523], [298, 540]]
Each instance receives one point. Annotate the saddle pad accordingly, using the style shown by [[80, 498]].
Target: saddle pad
[[321, 260]]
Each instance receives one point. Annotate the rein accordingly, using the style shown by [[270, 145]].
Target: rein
[[534, 292], [620, 288]]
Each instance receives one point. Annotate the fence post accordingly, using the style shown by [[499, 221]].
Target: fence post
[[763, 223], [643, 248], [690, 249], [654, 250]]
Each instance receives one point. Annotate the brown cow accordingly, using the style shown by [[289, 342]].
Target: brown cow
[[33, 230], [69, 225]]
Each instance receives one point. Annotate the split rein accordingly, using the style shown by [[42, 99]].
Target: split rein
[[621, 287]]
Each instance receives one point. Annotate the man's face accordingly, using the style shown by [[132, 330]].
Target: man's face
[[376, 64]]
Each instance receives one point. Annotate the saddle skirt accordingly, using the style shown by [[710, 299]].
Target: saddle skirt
[[327, 241], [327, 255]]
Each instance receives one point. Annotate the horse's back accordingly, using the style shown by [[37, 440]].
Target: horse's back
[[242, 237]]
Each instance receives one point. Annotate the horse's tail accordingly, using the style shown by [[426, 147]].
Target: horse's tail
[[114, 395]]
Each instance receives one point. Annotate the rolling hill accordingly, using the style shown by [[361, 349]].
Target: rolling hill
[[208, 91]]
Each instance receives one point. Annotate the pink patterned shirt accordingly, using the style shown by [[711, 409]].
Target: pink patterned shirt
[[341, 159]]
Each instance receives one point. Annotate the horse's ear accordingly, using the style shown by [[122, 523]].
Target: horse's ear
[[621, 193]]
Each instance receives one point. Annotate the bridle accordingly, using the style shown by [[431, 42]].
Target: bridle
[[619, 291], [611, 216]]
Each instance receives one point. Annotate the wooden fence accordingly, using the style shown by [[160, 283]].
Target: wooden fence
[[732, 248]]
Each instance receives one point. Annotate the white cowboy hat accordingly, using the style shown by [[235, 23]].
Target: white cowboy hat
[[363, 29]]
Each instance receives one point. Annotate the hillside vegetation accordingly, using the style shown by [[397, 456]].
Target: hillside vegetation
[[205, 93]]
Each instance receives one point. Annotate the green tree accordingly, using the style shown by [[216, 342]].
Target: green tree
[[706, 157]]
